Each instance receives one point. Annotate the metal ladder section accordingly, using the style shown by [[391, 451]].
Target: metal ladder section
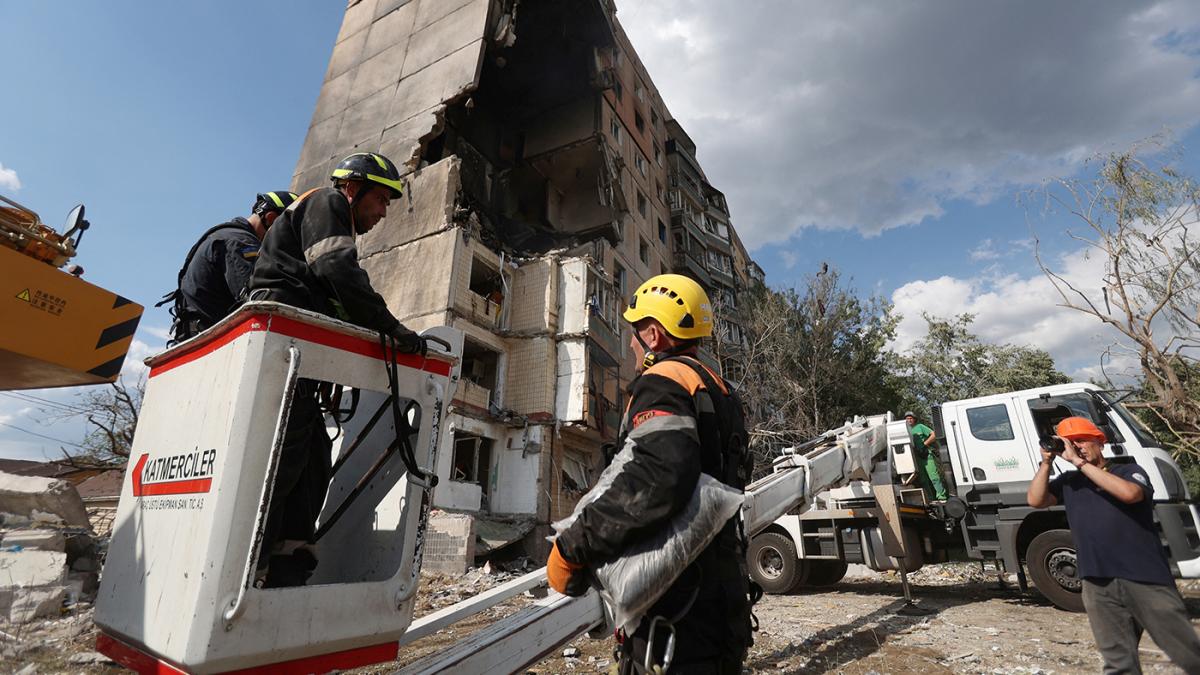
[[514, 643]]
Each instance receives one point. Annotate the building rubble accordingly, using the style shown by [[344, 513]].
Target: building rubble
[[48, 555]]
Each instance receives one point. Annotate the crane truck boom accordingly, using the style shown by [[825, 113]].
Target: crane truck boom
[[58, 330]]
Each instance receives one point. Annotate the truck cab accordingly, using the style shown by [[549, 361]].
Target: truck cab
[[991, 446]]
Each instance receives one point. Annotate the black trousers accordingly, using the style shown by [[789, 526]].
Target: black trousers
[[713, 636], [302, 477]]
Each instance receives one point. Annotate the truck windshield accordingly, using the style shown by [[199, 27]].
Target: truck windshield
[[1140, 431]]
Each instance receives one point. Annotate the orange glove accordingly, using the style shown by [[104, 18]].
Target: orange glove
[[559, 572]]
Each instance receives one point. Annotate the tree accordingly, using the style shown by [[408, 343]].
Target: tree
[[111, 414], [815, 357], [1140, 226], [951, 363]]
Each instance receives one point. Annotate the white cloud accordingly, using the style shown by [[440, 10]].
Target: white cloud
[[872, 115], [986, 250], [139, 351], [1018, 310], [9, 179]]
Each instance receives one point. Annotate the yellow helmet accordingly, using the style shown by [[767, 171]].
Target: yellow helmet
[[677, 302]]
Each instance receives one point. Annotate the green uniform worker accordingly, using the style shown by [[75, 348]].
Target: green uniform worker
[[928, 474]]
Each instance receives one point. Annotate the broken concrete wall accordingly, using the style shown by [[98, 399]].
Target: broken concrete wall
[[534, 305], [426, 207], [410, 279], [449, 543], [394, 66]]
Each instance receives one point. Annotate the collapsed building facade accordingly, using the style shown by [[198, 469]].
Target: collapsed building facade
[[545, 180]]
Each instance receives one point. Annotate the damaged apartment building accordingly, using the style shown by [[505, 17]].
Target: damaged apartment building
[[545, 180]]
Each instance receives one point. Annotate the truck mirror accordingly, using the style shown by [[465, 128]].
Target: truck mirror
[[76, 225]]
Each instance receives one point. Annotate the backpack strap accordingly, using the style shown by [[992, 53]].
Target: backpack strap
[[182, 325], [735, 473]]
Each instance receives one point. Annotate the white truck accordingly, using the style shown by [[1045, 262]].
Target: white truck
[[990, 455]]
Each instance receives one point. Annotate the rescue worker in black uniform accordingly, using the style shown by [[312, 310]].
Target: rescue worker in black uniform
[[215, 276], [682, 419], [309, 260]]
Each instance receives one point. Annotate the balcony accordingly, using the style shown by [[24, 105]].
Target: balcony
[[690, 266]]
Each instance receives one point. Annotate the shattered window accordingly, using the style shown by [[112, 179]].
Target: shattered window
[[619, 278], [639, 122], [642, 204], [640, 164], [614, 127], [654, 123], [618, 90], [662, 231], [644, 251]]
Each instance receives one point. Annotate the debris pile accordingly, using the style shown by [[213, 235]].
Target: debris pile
[[48, 556]]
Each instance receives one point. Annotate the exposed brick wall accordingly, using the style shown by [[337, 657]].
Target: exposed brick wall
[[449, 544]]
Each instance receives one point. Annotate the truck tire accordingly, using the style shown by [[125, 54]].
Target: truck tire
[[825, 572], [774, 565], [1054, 570]]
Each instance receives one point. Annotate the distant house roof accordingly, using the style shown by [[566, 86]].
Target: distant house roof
[[22, 467], [104, 484]]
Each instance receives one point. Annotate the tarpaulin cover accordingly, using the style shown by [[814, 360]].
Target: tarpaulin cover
[[632, 583]]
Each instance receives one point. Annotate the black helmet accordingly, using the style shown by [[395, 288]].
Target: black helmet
[[268, 202], [372, 167]]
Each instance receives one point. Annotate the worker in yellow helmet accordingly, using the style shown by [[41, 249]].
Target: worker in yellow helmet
[[682, 419]]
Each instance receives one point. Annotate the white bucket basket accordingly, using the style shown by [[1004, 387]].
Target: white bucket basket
[[177, 588]]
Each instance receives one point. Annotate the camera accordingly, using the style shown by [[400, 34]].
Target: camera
[[1052, 444]]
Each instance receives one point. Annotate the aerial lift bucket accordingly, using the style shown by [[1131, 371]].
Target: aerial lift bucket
[[178, 592]]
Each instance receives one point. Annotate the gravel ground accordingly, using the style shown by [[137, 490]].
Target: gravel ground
[[965, 622]]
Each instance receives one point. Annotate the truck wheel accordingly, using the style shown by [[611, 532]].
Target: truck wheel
[[774, 565], [1054, 570], [825, 572]]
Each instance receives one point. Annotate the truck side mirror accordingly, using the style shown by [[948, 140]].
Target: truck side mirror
[[76, 225]]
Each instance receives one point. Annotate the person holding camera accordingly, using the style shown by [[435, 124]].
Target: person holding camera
[[1127, 584]]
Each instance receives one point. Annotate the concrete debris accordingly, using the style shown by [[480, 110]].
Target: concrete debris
[[47, 554], [88, 658], [571, 652], [45, 540], [32, 568], [43, 500]]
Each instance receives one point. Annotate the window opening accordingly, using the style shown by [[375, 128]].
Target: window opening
[[644, 251], [642, 204], [472, 460], [662, 231]]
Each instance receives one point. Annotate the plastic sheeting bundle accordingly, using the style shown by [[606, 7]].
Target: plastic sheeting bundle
[[632, 583]]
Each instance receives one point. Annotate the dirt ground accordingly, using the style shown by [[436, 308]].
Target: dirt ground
[[965, 622]]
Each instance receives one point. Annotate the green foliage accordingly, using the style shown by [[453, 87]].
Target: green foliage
[[816, 357], [951, 363]]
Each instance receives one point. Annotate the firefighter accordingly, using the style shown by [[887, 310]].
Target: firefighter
[[215, 276], [682, 419], [309, 260]]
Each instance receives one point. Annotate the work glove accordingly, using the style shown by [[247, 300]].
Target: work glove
[[408, 342], [565, 576]]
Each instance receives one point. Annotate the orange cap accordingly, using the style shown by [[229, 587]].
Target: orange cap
[[1080, 429]]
